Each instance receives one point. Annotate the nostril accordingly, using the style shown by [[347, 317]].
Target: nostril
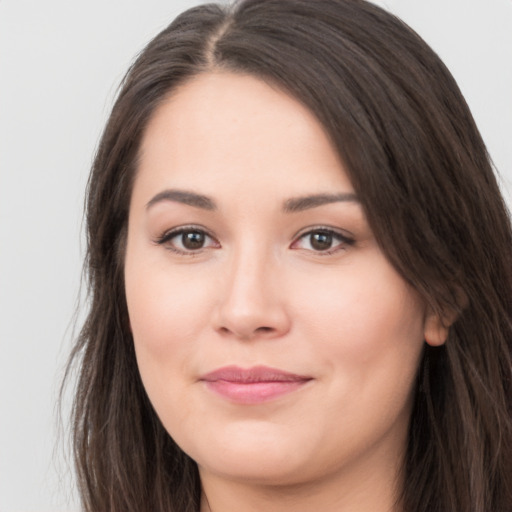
[[249, 334], [264, 329]]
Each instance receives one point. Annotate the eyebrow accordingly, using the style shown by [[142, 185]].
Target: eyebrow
[[293, 205], [300, 204], [185, 197]]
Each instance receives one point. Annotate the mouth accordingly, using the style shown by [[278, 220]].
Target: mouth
[[253, 385]]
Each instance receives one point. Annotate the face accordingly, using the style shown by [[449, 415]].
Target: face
[[275, 341]]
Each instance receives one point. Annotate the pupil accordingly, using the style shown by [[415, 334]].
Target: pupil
[[321, 241], [193, 240]]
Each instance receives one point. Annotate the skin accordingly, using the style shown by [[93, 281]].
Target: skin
[[260, 292]]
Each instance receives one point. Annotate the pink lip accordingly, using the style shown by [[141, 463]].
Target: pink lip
[[253, 385]]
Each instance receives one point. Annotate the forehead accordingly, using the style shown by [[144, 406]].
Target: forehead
[[223, 128]]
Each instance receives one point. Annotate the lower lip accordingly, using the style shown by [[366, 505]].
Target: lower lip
[[254, 392]]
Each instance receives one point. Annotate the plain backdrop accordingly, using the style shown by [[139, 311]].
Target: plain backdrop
[[60, 64]]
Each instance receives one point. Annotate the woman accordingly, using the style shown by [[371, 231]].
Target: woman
[[300, 274]]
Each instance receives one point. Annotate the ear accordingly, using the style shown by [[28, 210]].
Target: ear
[[436, 327], [437, 324]]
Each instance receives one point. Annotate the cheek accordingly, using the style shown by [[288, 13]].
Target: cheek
[[163, 306], [367, 325], [366, 333], [167, 313], [166, 316], [365, 306]]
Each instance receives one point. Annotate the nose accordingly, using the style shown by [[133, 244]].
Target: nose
[[252, 299]]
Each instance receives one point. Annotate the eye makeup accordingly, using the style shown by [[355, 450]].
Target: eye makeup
[[187, 240], [194, 239]]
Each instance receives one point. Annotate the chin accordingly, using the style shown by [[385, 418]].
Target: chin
[[258, 453]]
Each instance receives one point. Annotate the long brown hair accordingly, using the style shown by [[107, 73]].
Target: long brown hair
[[419, 166]]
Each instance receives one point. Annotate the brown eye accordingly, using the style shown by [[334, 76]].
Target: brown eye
[[320, 241], [323, 241], [193, 240], [187, 240]]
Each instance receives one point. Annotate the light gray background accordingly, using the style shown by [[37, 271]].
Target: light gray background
[[60, 63]]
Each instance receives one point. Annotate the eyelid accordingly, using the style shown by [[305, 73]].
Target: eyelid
[[345, 238], [169, 234], [342, 233]]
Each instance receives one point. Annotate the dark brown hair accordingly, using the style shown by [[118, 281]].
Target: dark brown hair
[[419, 166]]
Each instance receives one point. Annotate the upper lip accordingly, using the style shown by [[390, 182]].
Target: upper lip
[[252, 375]]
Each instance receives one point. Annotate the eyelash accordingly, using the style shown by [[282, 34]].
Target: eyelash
[[166, 238], [343, 240]]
